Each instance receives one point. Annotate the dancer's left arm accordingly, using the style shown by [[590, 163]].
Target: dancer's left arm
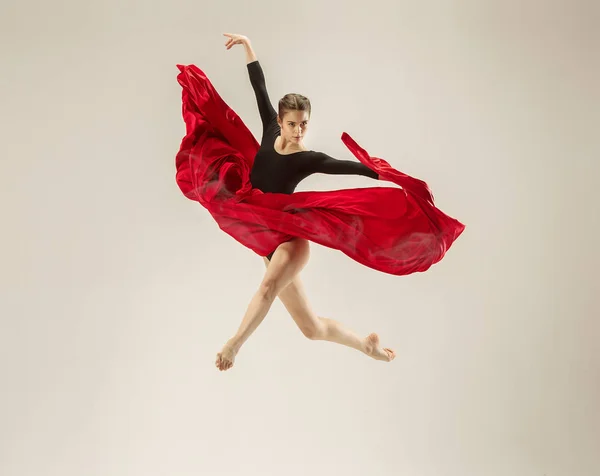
[[325, 164]]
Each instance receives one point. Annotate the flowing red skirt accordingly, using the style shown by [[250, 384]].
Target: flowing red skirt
[[394, 230]]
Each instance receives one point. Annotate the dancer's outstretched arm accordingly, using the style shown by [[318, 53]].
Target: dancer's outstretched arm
[[268, 115], [325, 164]]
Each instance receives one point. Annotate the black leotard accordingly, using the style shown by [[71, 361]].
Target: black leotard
[[280, 173]]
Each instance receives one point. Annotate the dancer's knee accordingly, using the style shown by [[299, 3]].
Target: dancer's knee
[[313, 330], [269, 289]]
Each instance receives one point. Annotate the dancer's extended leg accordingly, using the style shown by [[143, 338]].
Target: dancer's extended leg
[[287, 261], [314, 327]]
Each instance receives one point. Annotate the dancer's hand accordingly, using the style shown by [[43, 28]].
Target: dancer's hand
[[235, 40]]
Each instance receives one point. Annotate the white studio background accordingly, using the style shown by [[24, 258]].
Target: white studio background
[[117, 291]]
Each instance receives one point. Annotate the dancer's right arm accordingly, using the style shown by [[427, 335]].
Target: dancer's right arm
[[265, 108], [250, 55], [268, 115]]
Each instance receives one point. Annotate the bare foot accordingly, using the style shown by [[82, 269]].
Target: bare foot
[[374, 349], [226, 357]]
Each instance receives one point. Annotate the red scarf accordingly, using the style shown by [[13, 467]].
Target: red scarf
[[394, 230]]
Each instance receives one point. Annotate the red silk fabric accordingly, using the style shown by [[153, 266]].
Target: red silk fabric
[[394, 230]]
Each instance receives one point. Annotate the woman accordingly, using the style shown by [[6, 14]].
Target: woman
[[280, 164]]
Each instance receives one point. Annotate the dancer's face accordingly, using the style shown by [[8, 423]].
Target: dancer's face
[[294, 125]]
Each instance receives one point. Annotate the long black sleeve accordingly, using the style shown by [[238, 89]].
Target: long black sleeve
[[265, 108], [320, 162]]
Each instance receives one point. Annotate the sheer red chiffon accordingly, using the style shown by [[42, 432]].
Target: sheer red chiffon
[[394, 230]]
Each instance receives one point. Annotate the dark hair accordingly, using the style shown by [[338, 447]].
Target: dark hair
[[293, 102]]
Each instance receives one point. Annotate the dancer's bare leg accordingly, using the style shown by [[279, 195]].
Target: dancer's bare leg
[[314, 327], [287, 261]]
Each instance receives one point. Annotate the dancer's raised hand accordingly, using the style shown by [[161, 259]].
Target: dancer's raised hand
[[234, 39]]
